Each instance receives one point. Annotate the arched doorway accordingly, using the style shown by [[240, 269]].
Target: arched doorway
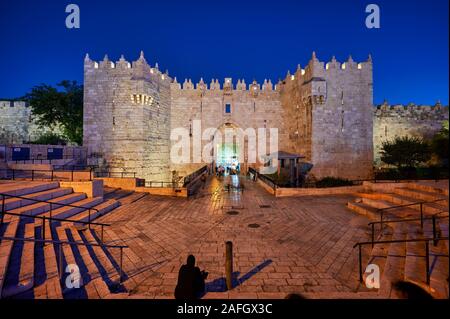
[[230, 151]]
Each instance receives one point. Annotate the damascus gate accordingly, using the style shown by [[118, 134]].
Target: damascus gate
[[322, 111]]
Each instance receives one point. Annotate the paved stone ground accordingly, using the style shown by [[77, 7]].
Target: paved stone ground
[[302, 245]]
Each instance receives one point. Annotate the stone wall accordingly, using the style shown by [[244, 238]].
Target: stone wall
[[252, 107], [323, 112], [127, 117], [17, 124], [390, 121], [329, 117]]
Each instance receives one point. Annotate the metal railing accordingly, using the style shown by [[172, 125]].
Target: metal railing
[[61, 243], [50, 218], [421, 203], [156, 184], [114, 174], [427, 252], [189, 178], [267, 180], [433, 218], [42, 174]]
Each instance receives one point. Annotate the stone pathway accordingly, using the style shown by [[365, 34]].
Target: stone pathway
[[296, 245]]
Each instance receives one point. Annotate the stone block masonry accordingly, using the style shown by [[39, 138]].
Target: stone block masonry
[[17, 124], [323, 112], [390, 121]]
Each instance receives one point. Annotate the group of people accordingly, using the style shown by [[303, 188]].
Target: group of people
[[231, 170]]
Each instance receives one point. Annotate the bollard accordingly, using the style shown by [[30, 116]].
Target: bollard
[[229, 264]]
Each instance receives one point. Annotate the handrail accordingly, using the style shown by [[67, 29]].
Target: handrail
[[421, 203], [89, 222], [52, 175], [413, 204], [113, 174], [427, 251], [61, 243], [189, 178], [433, 218]]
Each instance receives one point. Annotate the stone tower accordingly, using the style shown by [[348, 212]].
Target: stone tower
[[127, 116], [329, 111]]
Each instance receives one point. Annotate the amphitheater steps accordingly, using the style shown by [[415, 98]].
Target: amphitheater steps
[[21, 188], [6, 248], [68, 211], [12, 203], [439, 189], [21, 261], [101, 209], [39, 208], [395, 262], [406, 260], [88, 287], [420, 195], [98, 274], [51, 286]]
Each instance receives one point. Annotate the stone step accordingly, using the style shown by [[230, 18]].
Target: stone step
[[40, 208], [131, 198], [69, 211], [50, 288], [102, 208], [395, 262], [21, 188], [101, 256], [97, 274], [439, 271], [363, 209], [20, 275], [378, 257], [428, 208], [109, 190], [87, 287], [431, 188], [6, 248], [420, 195], [12, 203], [415, 270], [394, 213], [443, 227]]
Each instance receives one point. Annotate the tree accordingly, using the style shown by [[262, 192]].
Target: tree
[[405, 152], [439, 143], [49, 139], [64, 108]]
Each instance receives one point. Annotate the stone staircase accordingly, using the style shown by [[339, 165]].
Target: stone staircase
[[30, 269], [405, 261]]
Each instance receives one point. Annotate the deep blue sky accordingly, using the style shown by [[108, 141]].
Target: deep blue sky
[[216, 38]]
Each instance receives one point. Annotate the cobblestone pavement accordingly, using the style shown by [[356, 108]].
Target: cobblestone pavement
[[297, 245]]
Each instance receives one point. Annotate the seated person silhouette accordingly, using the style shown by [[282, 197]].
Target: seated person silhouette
[[191, 281]]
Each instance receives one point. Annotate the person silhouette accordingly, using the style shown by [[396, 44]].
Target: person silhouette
[[191, 281]]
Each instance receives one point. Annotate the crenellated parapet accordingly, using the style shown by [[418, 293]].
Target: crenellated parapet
[[227, 87], [411, 110], [139, 69], [313, 82]]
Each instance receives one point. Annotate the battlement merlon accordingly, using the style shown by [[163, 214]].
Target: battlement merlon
[[13, 104], [318, 69], [139, 68], [410, 109]]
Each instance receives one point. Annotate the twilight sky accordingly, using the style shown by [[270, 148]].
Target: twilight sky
[[240, 39]]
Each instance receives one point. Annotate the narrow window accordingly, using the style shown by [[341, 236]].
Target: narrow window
[[342, 97], [227, 108]]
